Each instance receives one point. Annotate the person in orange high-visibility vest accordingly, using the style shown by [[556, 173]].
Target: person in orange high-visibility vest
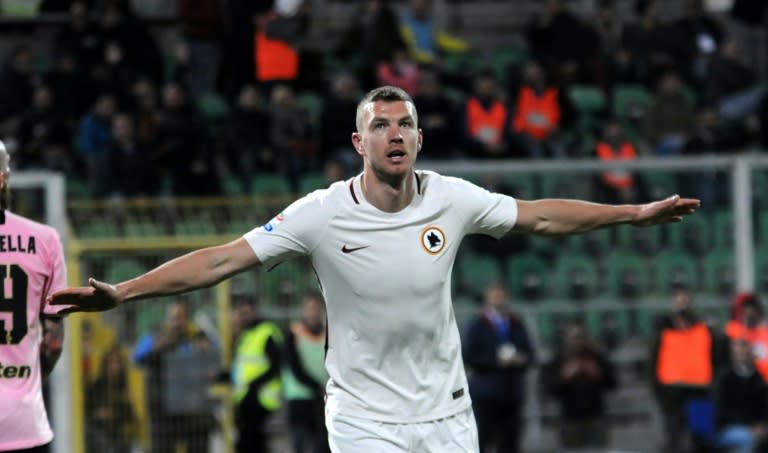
[[751, 326], [539, 114], [684, 357], [617, 185], [276, 60], [486, 119]]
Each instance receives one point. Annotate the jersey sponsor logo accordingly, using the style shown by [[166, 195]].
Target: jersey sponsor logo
[[15, 371], [276, 220], [432, 239], [346, 249], [458, 394]]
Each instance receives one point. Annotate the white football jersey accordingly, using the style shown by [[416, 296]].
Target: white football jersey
[[393, 342]]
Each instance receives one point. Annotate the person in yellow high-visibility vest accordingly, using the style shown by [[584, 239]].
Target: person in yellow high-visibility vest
[[257, 383]]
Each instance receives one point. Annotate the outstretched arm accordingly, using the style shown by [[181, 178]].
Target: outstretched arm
[[198, 269], [558, 217]]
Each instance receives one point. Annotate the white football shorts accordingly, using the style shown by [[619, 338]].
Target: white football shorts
[[455, 434]]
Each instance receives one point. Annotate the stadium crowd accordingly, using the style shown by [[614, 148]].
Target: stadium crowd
[[241, 94], [216, 104]]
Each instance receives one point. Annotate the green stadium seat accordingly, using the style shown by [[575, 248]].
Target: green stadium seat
[[311, 182], [595, 243], [589, 102], [269, 184], [506, 56], [575, 277], [760, 188], [213, 106], [761, 270], [97, 228], [562, 185], [287, 278], [232, 186], [142, 228], [312, 103], [630, 101], [675, 269], [477, 271], [723, 230], [627, 276], [660, 184], [693, 235], [719, 272], [244, 283], [77, 188], [149, 318], [123, 269], [195, 227], [587, 98], [527, 277], [762, 230], [645, 241], [522, 186]]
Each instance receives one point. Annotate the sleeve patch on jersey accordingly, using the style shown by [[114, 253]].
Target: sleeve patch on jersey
[[277, 220], [458, 394]]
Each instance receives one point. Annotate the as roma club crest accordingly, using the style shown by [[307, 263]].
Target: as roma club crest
[[432, 239]]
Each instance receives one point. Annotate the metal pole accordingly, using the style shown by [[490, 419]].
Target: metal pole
[[742, 225]]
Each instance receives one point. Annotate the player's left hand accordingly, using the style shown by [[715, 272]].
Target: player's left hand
[[99, 296], [668, 210]]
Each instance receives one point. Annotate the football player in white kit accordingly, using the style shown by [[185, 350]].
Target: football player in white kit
[[383, 245]]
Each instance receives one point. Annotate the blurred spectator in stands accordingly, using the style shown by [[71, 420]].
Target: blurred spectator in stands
[[276, 46], [741, 408], [178, 360], [248, 136], [750, 325], [710, 136], [425, 39], [437, 117], [728, 74], [669, 118], [541, 111], [80, 37], [238, 31], [644, 47], [305, 377], [44, 135], [498, 351], [337, 119], [372, 36], [120, 24], [608, 25], [335, 170], [94, 138], [291, 135], [401, 71], [109, 414], [486, 119], [617, 186], [146, 111], [131, 169], [565, 45], [579, 376], [16, 84], [256, 379], [763, 119], [201, 29], [685, 354], [698, 35], [118, 76], [71, 89], [182, 150]]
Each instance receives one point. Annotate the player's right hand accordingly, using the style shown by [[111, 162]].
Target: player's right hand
[[99, 296]]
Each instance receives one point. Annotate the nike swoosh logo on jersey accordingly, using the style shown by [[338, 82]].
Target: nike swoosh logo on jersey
[[346, 249]]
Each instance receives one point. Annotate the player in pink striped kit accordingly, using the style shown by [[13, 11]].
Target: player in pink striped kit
[[31, 268]]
